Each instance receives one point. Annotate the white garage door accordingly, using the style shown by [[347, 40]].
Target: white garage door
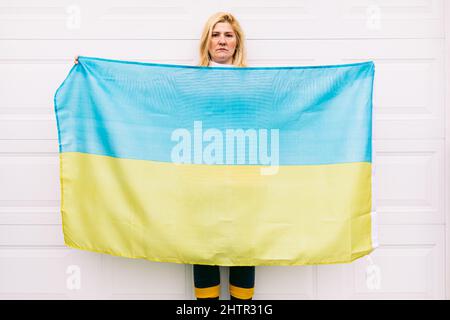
[[407, 39]]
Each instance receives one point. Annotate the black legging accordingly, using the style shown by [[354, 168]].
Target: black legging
[[207, 282]]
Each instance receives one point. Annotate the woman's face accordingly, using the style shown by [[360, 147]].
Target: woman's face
[[223, 43]]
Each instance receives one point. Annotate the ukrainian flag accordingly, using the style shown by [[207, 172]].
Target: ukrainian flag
[[217, 165]]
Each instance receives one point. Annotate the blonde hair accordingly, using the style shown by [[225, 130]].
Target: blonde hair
[[239, 56]]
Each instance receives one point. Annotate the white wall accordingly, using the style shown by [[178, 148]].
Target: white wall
[[406, 39]]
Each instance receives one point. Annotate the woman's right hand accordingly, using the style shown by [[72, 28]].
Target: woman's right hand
[[76, 60]]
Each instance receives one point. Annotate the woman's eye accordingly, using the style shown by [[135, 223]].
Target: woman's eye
[[228, 35]]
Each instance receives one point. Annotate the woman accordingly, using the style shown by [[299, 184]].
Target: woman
[[222, 44]]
